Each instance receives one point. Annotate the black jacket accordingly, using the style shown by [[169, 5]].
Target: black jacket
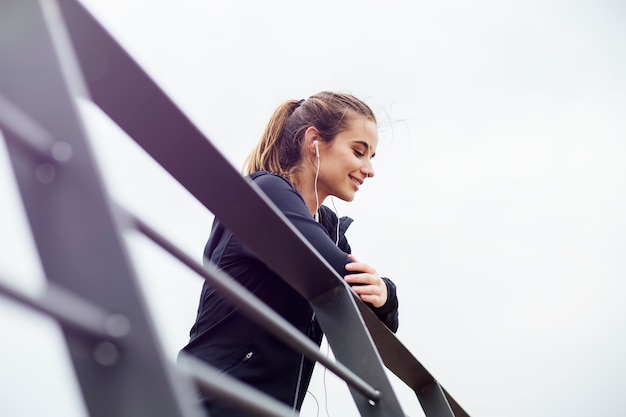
[[229, 341]]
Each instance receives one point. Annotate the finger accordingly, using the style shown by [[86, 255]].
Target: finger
[[357, 265], [376, 301], [368, 293], [360, 266], [370, 290], [360, 279]]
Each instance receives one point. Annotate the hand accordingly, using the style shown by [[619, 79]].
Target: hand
[[369, 285]]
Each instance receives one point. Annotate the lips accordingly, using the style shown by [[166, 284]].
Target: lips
[[356, 181]]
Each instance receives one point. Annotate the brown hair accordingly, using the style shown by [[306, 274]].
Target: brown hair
[[280, 148]]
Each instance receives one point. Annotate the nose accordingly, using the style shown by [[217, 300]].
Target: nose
[[368, 169]]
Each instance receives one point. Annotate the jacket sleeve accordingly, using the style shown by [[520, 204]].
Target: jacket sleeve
[[388, 313], [292, 205]]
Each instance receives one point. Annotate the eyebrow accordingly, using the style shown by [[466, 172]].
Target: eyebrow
[[367, 146]]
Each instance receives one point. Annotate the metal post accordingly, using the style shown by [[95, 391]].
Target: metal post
[[73, 228]]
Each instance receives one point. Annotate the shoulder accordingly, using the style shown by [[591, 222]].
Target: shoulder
[[269, 179], [277, 188]]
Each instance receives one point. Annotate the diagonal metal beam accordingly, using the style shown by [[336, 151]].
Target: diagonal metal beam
[[84, 317], [31, 137], [399, 360]]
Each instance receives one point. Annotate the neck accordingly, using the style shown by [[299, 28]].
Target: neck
[[305, 184]]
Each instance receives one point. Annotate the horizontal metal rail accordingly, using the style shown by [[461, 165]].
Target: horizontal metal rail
[[73, 311], [256, 310], [230, 391], [29, 135]]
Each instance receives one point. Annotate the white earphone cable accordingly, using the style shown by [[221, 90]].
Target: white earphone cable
[[332, 200], [317, 201]]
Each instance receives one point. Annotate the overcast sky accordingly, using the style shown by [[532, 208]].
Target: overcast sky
[[497, 205]]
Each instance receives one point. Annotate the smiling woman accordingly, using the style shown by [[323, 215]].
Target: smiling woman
[[311, 149]]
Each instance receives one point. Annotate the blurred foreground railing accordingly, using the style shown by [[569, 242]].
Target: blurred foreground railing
[[93, 291]]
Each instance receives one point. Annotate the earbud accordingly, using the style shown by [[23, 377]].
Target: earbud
[[317, 147]]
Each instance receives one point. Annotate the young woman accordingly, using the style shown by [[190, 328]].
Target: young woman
[[311, 149]]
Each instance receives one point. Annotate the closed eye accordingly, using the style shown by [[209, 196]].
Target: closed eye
[[362, 149]]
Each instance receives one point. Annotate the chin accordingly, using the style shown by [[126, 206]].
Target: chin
[[348, 198]]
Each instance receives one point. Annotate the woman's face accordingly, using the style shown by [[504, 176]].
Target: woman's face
[[346, 162]]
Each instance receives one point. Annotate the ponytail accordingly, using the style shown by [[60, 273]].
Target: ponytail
[[274, 152]]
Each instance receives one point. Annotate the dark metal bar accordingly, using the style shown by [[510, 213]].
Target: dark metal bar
[[232, 392], [457, 410], [258, 311], [72, 311], [434, 401], [399, 360], [74, 231]]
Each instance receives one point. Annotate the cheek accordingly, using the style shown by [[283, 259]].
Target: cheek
[[355, 163]]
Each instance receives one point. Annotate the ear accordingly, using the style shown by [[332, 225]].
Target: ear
[[310, 136]]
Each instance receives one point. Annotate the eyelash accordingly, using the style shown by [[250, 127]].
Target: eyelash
[[359, 154]]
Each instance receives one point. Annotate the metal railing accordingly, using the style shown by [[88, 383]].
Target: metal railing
[[92, 288]]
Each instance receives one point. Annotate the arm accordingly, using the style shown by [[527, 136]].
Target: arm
[[290, 203]]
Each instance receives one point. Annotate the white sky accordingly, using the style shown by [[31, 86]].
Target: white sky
[[497, 207]]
